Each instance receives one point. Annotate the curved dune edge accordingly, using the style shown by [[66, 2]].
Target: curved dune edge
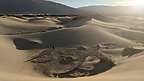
[[126, 72], [12, 67], [15, 71]]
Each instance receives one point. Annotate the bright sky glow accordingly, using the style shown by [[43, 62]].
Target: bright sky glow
[[137, 3], [81, 3]]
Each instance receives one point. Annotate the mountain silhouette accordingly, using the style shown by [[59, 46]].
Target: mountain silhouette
[[35, 7]]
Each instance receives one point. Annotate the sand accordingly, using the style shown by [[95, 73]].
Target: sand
[[13, 67]]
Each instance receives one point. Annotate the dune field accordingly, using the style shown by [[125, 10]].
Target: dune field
[[47, 41], [15, 51]]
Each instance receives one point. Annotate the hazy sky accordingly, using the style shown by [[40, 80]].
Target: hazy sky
[[80, 3]]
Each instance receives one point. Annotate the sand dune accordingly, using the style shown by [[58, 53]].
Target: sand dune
[[121, 30], [86, 35], [13, 25], [14, 69], [111, 41], [89, 33], [19, 23], [130, 34], [12, 60]]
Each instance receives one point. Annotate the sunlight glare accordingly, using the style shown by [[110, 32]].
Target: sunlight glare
[[138, 3]]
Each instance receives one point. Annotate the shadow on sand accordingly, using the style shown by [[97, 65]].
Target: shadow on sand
[[100, 67], [25, 44]]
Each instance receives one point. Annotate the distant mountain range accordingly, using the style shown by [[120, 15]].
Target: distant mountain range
[[35, 7], [42, 7], [103, 13], [114, 10]]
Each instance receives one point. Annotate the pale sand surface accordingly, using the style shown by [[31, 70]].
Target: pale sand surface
[[13, 67]]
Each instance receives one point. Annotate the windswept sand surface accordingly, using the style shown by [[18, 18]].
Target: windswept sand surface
[[12, 68], [13, 25], [12, 61]]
